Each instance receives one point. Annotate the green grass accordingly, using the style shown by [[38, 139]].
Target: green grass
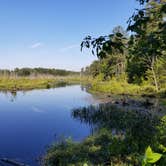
[[163, 102], [121, 86], [113, 86], [14, 84], [91, 150]]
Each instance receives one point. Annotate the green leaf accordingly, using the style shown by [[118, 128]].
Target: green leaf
[[85, 164], [144, 162], [163, 148], [148, 151], [150, 156], [154, 157]]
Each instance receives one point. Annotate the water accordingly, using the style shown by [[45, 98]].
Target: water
[[30, 121], [116, 130]]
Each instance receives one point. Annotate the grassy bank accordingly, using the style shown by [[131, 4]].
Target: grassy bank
[[114, 86], [118, 87], [26, 83]]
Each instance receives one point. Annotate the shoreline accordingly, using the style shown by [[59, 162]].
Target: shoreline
[[13, 85], [25, 84]]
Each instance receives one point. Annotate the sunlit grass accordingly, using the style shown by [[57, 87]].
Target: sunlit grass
[[27, 83], [121, 86]]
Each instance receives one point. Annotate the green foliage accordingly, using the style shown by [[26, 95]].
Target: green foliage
[[105, 46], [140, 56], [160, 68], [93, 69], [119, 138], [120, 86], [26, 72], [25, 83], [162, 131], [85, 164], [147, 45], [136, 70], [150, 157], [110, 50], [162, 148]]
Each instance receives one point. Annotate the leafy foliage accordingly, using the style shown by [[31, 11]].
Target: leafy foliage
[[105, 46], [119, 136], [141, 56], [150, 157]]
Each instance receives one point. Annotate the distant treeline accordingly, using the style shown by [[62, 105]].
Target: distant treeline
[[25, 72]]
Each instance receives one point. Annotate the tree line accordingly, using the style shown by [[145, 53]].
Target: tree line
[[138, 53], [26, 72]]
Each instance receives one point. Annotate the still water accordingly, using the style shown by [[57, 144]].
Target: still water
[[31, 121]]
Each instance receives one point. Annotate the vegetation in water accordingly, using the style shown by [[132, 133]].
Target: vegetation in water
[[36, 78], [27, 83], [119, 137]]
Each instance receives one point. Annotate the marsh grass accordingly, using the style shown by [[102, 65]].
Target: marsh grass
[[113, 86], [121, 86], [28, 83]]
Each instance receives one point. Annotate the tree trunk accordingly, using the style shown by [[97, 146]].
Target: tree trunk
[[154, 74], [155, 79]]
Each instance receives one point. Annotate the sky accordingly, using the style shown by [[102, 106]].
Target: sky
[[48, 33]]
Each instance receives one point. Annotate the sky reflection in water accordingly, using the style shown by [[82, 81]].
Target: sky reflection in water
[[30, 121]]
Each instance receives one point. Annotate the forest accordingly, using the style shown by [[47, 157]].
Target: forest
[[35, 72], [135, 56]]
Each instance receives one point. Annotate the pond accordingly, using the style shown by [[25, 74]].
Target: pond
[[30, 121]]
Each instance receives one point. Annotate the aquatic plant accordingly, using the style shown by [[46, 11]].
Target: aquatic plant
[[119, 137]]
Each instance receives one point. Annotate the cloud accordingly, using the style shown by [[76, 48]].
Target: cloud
[[36, 45], [38, 110], [70, 47]]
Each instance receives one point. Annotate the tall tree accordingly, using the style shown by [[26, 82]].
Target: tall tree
[[110, 50], [148, 41]]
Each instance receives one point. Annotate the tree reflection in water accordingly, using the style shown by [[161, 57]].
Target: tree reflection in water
[[135, 127], [119, 137]]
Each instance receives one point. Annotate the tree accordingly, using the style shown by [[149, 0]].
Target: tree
[[110, 50], [148, 41], [143, 52]]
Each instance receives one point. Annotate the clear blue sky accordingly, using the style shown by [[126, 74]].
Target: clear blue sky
[[47, 33]]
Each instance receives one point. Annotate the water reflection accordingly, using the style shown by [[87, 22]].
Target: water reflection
[[12, 94], [29, 120], [119, 136], [136, 127]]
